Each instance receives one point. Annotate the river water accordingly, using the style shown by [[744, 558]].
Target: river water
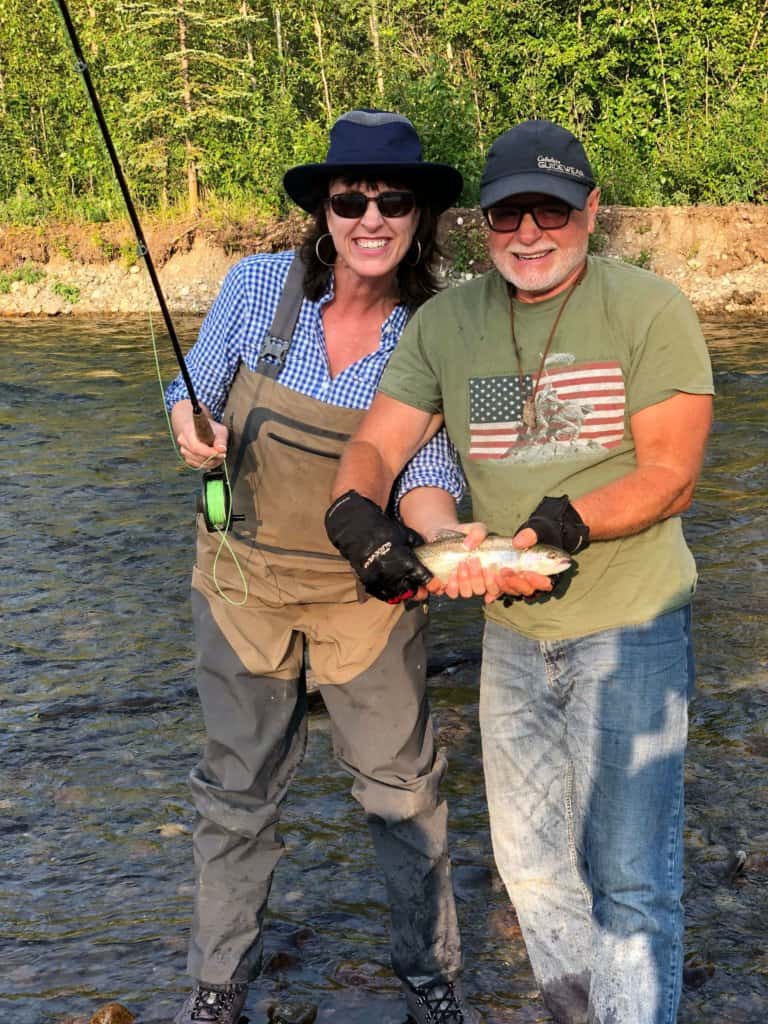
[[99, 722]]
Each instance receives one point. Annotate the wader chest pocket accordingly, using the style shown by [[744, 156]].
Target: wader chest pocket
[[303, 447], [293, 477]]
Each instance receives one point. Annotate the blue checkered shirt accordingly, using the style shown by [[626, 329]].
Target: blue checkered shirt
[[235, 327]]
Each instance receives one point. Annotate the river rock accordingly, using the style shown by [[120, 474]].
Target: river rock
[[112, 1013], [503, 924], [756, 864], [701, 248], [696, 974], [291, 1013], [71, 796], [282, 960], [472, 881], [301, 935], [173, 828]]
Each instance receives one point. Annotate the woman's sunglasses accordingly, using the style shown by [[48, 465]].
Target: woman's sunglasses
[[546, 216], [354, 204]]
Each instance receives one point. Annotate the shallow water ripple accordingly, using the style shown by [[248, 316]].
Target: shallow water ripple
[[100, 724]]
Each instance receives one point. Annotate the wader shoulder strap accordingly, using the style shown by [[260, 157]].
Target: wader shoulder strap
[[277, 340]]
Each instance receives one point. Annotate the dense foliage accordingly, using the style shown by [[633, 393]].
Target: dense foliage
[[209, 101]]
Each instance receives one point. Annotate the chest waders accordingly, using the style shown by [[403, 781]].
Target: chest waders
[[283, 455], [284, 451]]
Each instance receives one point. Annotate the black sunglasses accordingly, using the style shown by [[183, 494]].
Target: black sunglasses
[[354, 204], [547, 216]]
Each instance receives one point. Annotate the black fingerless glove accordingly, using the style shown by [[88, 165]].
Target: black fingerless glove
[[378, 548], [557, 522]]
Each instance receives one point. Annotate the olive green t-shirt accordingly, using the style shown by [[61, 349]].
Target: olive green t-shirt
[[627, 339]]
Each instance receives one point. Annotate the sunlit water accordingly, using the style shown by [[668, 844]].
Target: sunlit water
[[99, 723]]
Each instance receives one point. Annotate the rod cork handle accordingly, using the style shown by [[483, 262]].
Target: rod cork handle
[[203, 428]]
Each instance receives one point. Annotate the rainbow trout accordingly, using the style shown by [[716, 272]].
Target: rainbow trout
[[443, 556]]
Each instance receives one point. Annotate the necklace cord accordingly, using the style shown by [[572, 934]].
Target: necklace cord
[[532, 396]]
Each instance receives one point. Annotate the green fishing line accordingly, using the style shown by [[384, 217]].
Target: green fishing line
[[218, 493], [216, 503]]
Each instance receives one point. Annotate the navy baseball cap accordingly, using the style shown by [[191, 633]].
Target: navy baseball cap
[[537, 156]]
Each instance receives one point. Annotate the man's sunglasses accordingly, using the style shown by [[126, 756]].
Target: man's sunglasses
[[354, 204], [509, 216]]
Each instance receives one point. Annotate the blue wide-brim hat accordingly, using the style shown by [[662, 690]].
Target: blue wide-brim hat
[[375, 144]]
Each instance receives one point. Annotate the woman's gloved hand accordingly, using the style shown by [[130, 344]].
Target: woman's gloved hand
[[377, 547]]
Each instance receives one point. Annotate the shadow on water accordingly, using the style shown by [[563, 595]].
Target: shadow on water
[[100, 722]]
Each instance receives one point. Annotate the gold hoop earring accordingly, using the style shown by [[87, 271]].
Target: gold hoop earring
[[317, 250], [417, 261]]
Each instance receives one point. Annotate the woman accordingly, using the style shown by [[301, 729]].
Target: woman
[[287, 361]]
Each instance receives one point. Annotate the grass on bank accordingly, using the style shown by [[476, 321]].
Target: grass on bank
[[26, 273], [25, 209]]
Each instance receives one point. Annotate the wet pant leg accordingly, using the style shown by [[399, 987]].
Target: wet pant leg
[[256, 737], [583, 749], [529, 779], [383, 736]]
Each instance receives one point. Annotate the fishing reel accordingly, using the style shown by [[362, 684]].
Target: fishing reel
[[215, 502]]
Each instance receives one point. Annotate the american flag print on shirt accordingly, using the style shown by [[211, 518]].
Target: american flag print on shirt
[[579, 409]]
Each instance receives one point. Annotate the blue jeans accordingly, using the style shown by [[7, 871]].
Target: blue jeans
[[583, 747]]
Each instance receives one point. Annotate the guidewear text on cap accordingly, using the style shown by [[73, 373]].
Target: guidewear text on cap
[[537, 156]]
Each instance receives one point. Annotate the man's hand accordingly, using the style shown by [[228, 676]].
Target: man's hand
[[469, 580], [472, 580], [378, 548], [555, 521]]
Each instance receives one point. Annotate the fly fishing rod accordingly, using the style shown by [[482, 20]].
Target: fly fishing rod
[[203, 427], [216, 500]]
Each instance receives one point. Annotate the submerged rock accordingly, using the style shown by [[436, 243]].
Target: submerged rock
[[735, 866], [291, 1013], [112, 1013], [282, 960], [172, 829], [472, 881]]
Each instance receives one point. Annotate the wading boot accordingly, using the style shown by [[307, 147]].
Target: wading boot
[[440, 1002], [212, 1004]]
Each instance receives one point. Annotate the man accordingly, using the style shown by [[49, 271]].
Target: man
[[577, 391]]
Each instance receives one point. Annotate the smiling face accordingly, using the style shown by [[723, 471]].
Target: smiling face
[[541, 263], [370, 246]]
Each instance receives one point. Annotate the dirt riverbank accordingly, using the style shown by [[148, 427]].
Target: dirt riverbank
[[717, 255]]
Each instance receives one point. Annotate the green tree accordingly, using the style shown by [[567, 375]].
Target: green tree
[[211, 101]]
